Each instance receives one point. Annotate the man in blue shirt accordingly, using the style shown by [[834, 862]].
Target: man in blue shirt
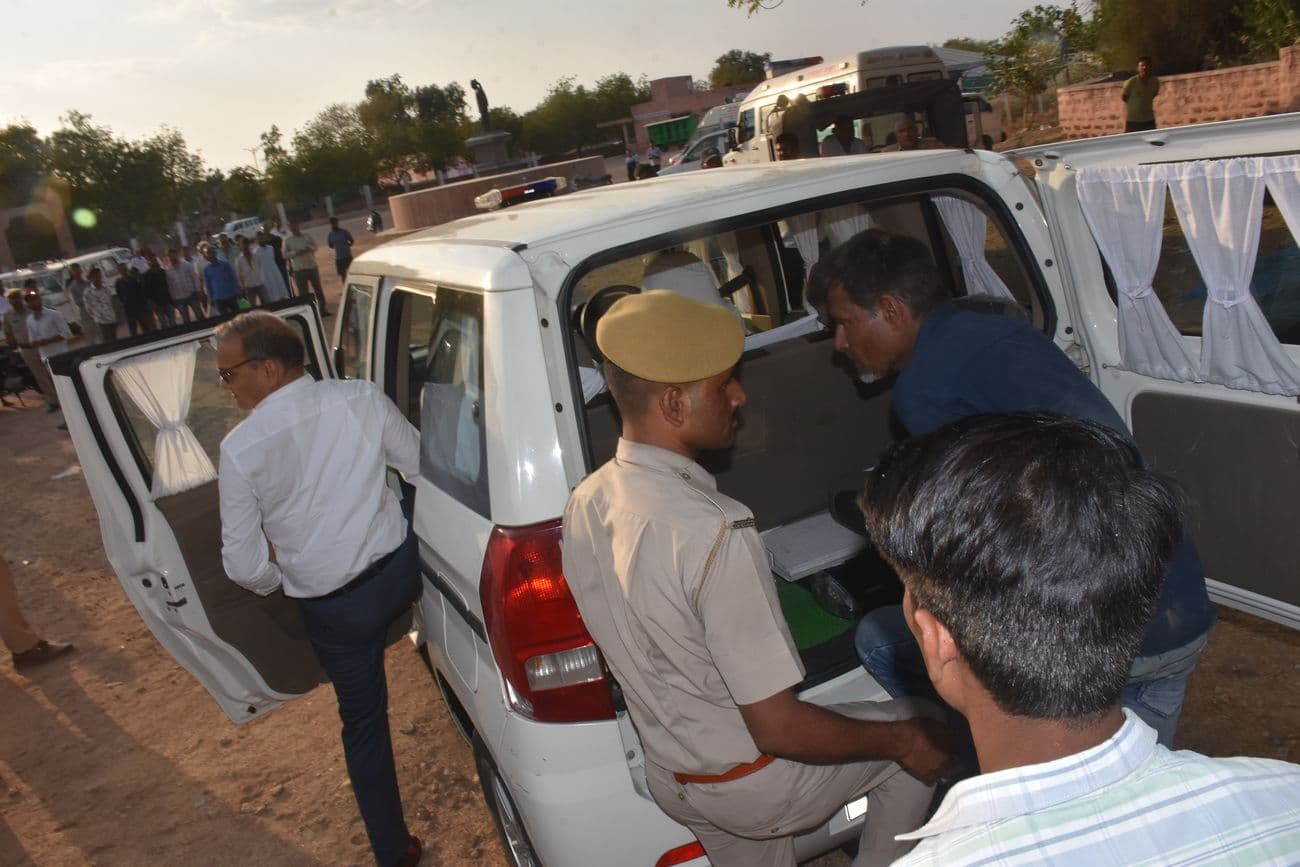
[[883, 296], [223, 285]]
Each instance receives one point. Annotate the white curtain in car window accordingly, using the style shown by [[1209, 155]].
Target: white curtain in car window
[[160, 384], [844, 222], [1282, 177], [968, 226], [452, 400], [730, 248], [1220, 206], [803, 231], [1125, 208]]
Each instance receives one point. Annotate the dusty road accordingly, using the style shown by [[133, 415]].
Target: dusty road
[[116, 756]]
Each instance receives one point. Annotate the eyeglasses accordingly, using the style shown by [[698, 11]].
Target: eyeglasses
[[228, 373]]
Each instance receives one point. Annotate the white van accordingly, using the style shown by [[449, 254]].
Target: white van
[[866, 70], [480, 329]]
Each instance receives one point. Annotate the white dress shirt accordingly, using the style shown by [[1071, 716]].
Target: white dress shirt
[[249, 271], [306, 470], [49, 324]]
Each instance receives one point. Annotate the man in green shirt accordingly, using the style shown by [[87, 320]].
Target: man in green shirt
[[1139, 95]]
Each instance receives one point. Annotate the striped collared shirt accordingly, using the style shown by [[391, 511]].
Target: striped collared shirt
[[1127, 801]]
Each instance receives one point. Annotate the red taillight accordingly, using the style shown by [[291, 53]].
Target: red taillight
[[551, 666], [681, 855]]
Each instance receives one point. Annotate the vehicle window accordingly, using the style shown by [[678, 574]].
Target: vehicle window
[[439, 343], [353, 352], [745, 126], [761, 269], [213, 412], [1275, 283]]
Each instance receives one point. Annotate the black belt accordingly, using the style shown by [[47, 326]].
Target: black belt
[[366, 574]]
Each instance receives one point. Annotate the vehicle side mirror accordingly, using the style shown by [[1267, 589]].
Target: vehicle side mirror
[[733, 138], [338, 362]]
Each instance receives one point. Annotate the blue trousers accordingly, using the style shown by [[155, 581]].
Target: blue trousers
[[348, 634], [1155, 688]]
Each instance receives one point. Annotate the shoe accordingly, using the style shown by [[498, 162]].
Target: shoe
[[43, 652], [412, 855]]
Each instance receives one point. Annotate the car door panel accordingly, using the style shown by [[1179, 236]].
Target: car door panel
[[1233, 450], [250, 652]]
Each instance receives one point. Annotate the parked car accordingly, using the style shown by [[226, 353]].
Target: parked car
[[246, 226], [480, 331], [690, 158]]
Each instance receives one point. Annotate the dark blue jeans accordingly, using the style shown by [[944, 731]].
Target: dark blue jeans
[[1155, 688], [348, 634]]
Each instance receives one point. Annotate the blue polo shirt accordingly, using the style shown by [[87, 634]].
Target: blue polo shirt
[[964, 363], [221, 281]]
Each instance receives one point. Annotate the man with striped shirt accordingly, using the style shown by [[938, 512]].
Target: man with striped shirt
[[1032, 549]]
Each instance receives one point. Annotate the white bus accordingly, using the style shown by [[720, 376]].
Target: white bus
[[866, 70]]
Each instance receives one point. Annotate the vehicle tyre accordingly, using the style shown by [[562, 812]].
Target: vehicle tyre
[[510, 825]]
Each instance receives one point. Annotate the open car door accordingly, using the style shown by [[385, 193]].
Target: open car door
[[147, 416], [1181, 247]]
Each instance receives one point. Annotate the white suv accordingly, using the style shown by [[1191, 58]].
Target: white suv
[[479, 331]]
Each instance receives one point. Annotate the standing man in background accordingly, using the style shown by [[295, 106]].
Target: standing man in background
[[340, 544], [99, 306], [222, 283], [135, 303], [17, 336], [75, 289], [1139, 97], [301, 250], [340, 241]]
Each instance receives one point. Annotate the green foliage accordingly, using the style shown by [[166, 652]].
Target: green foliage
[[1180, 35], [965, 43], [567, 119], [1030, 56], [244, 192], [32, 239], [738, 67], [1266, 26], [22, 163]]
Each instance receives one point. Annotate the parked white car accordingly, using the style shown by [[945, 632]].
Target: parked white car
[[480, 332]]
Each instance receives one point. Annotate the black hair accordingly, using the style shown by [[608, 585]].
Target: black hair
[[1040, 542], [874, 263], [264, 335], [632, 394], [95, 270], [1146, 57]]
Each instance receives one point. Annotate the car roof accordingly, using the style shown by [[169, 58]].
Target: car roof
[[626, 212]]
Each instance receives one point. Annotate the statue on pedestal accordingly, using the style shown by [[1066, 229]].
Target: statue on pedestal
[[480, 96]]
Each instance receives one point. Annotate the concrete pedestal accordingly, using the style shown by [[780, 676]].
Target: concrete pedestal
[[490, 151]]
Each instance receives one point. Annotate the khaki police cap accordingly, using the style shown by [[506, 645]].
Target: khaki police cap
[[663, 336]]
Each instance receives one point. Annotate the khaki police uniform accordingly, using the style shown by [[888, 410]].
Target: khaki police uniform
[[672, 580]]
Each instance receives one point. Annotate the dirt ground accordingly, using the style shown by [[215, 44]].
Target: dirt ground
[[116, 756]]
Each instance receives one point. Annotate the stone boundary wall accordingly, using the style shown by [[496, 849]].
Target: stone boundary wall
[[1088, 110], [452, 201]]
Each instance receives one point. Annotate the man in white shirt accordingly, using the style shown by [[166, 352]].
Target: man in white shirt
[[306, 472], [1032, 549], [16, 336], [301, 250], [842, 141], [183, 286], [248, 268], [272, 278]]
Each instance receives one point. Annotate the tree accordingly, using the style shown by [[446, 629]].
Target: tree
[[23, 163], [1266, 26], [738, 67], [243, 190], [965, 43], [1182, 35], [1028, 58]]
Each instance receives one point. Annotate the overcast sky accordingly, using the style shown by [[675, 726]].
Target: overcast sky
[[224, 71]]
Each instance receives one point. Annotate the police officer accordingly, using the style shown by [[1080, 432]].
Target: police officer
[[672, 580]]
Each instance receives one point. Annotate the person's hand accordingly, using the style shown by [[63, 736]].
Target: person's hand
[[928, 748]]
